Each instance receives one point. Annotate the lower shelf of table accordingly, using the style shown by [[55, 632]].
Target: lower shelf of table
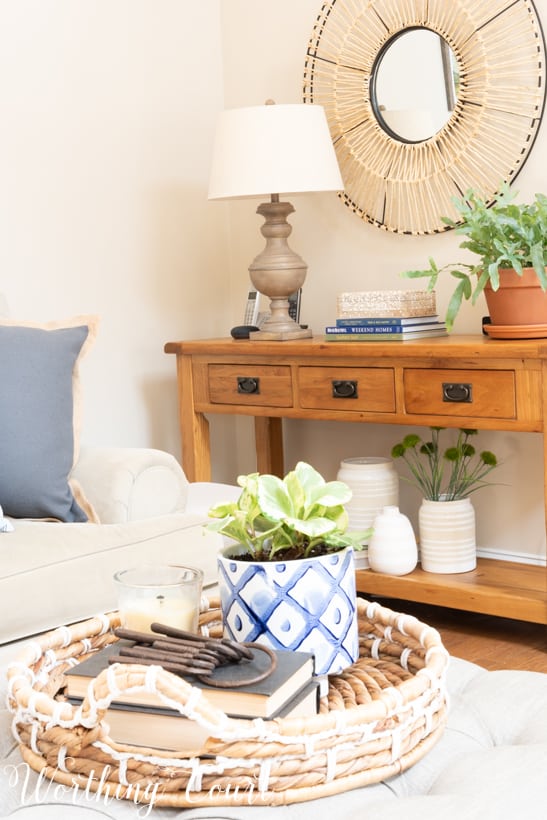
[[501, 588]]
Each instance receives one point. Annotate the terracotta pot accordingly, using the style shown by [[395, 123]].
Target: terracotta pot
[[519, 299]]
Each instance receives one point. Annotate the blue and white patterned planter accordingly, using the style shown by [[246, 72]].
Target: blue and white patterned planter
[[307, 605]]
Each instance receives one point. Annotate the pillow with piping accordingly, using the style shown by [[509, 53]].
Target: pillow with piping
[[40, 418]]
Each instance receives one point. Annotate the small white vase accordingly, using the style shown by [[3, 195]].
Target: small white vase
[[392, 547], [447, 536]]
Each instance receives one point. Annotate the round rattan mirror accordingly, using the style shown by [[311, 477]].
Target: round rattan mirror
[[491, 60]]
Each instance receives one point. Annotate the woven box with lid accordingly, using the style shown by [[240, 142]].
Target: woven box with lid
[[385, 303]]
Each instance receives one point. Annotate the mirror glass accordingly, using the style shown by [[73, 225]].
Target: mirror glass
[[414, 85]]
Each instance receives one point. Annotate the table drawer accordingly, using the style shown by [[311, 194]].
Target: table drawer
[[248, 384], [477, 393], [347, 388]]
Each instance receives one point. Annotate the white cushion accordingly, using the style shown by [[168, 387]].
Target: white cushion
[[40, 417], [129, 483], [52, 574]]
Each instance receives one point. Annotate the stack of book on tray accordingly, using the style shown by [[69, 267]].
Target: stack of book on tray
[[141, 718], [385, 316]]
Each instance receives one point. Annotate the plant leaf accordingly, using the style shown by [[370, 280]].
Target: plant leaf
[[313, 528], [273, 497]]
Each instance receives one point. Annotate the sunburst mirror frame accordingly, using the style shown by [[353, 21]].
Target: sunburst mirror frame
[[406, 187]]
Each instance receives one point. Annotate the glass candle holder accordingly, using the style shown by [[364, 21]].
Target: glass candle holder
[[165, 594]]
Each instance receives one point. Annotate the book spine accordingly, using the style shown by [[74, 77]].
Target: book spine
[[349, 329], [402, 321], [386, 337], [370, 337]]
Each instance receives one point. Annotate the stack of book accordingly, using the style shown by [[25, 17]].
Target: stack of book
[[141, 718], [385, 329], [385, 316]]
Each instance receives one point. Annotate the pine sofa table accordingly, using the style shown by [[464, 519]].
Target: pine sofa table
[[454, 381]]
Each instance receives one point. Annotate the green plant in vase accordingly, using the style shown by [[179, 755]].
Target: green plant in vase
[[449, 474], [446, 477], [297, 516], [505, 236], [288, 578]]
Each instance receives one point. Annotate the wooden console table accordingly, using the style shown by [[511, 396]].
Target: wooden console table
[[455, 381]]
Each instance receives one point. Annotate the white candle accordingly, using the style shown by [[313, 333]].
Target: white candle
[[178, 612], [155, 593]]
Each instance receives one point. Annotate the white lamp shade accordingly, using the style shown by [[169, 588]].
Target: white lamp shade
[[273, 149]]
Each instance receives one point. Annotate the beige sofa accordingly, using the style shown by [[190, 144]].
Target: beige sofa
[[55, 573]]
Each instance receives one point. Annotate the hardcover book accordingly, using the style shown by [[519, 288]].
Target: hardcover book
[[397, 321], [262, 699], [392, 335], [162, 728], [384, 329]]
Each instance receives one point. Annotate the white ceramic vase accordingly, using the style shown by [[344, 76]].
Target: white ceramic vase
[[392, 547], [374, 484], [447, 536], [307, 605]]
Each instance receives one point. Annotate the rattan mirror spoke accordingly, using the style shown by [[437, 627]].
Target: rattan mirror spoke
[[406, 187]]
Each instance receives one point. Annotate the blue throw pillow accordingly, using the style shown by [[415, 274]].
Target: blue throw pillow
[[39, 418]]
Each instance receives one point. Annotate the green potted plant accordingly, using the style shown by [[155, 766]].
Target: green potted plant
[[446, 479], [288, 578], [510, 241]]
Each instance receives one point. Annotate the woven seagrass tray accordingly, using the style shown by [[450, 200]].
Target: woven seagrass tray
[[381, 715]]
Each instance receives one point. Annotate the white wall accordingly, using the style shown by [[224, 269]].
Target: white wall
[[108, 112], [264, 50]]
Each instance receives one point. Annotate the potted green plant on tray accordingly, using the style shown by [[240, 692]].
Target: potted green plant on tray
[[446, 479], [510, 241], [288, 578]]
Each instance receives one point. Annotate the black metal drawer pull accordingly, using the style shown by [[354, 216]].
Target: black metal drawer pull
[[458, 392], [344, 389], [248, 385]]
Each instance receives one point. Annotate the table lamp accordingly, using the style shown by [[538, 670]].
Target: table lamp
[[270, 150]]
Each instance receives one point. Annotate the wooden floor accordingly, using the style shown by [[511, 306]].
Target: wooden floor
[[495, 643]]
